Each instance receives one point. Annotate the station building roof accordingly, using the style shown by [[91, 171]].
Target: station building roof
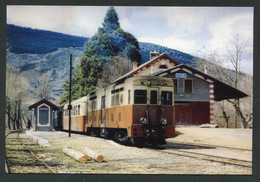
[[222, 90]]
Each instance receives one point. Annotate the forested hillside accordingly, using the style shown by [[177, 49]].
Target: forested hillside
[[27, 40]]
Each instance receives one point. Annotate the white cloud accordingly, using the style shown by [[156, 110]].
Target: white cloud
[[75, 20], [223, 30]]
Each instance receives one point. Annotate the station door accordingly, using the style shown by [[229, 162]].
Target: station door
[[192, 113]]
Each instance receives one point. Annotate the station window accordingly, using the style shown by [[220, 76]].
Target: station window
[[175, 85], [140, 96], [153, 97], [166, 98], [187, 86], [163, 67]]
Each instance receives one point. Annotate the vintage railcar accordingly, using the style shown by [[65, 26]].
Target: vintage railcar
[[139, 110]]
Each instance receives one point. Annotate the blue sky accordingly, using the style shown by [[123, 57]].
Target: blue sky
[[194, 30]]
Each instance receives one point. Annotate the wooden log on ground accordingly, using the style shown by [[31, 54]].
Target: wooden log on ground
[[43, 142], [208, 126], [92, 154], [38, 140], [78, 156]]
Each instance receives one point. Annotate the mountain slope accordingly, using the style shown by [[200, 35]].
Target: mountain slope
[[35, 52], [27, 40]]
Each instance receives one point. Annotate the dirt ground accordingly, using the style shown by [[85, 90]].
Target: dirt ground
[[120, 159], [238, 138]]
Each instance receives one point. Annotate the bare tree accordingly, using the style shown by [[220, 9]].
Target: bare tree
[[17, 89], [112, 70], [235, 49], [43, 88]]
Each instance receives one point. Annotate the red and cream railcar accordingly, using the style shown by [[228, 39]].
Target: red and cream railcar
[[139, 110]]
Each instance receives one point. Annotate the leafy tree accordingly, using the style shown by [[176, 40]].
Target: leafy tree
[[132, 53]]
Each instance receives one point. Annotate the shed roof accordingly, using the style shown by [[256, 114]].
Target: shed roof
[[53, 106], [222, 90]]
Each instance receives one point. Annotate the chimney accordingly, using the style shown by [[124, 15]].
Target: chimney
[[153, 54], [205, 69], [134, 65]]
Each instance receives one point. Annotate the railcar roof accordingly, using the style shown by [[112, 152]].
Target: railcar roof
[[82, 99]]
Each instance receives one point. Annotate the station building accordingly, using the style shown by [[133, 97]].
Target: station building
[[195, 91], [42, 119]]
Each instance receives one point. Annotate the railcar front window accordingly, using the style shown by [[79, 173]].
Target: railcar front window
[[140, 96], [166, 98], [153, 97]]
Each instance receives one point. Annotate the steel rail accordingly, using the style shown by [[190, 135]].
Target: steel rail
[[7, 169], [34, 155], [212, 158], [31, 152], [207, 145]]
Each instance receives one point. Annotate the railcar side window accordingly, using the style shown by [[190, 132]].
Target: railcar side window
[[166, 98], [140, 96], [112, 101], [94, 104], [153, 97], [78, 109], [117, 99], [121, 98], [103, 102], [129, 97]]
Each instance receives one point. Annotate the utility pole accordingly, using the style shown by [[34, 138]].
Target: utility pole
[[70, 50]]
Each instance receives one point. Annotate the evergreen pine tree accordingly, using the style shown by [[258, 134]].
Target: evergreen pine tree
[[111, 20], [109, 41]]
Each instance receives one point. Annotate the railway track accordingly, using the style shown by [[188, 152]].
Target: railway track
[[25, 148], [211, 158], [206, 157], [208, 146]]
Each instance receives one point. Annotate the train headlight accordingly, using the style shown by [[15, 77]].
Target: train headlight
[[143, 120], [163, 121]]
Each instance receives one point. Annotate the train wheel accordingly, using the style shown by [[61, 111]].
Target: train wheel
[[121, 137], [137, 141]]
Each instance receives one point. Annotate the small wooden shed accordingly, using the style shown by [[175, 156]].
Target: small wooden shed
[[42, 119]]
